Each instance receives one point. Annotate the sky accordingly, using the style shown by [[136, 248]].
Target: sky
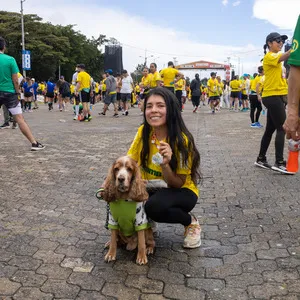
[[214, 30]]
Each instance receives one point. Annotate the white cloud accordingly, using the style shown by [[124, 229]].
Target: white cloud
[[236, 3], [224, 2], [161, 42], [281, 13]]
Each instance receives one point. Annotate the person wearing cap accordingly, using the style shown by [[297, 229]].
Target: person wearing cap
[[273, 98], [168, 75], [292, 123], [83, 89], [255, 104], [111, 93], [34, 89], [213, 91]]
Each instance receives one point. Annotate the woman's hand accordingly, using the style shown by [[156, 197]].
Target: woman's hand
[[166, 152]]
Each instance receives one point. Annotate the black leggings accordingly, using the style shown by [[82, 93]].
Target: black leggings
[[254, 105], [196, 100], [275, 119], [178, 96], [170, 205]]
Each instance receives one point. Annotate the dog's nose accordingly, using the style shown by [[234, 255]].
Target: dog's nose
[[121, 179]]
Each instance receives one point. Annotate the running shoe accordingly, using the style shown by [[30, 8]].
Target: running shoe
[[259, 125], [90, 118], [126, 113], [14, 126], [5, 126], [192, 235], [116, 115], [36, 147], [262, 163], [280, 166], [253, 125], [75, 118]]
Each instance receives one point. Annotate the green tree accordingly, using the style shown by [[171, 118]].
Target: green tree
[[52, 46]]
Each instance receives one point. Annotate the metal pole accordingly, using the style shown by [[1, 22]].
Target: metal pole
[[23, 35], [59, 70]]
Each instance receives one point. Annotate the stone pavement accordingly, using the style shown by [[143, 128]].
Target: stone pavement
[[51, 224]]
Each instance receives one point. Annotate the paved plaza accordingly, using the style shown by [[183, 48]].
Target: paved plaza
[[52, 232]]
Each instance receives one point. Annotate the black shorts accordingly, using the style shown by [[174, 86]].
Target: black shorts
[[138, 93], [214, 98], [118, 96], [65, 95], [244, 97], [27, 95], [84, 96], [234, 94], [125, 97], [103, 93], [50, 95], [11, 101]]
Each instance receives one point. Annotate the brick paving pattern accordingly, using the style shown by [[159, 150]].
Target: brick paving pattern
[[51, 225]]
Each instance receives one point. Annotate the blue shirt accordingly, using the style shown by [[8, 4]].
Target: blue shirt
[[35, 87], [27, 88], [50, 87]]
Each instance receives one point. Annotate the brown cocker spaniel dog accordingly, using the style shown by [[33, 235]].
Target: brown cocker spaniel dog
[[125, 191]]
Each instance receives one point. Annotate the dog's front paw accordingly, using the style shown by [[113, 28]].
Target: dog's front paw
[[141, 259], [150, 250], [110, 256]]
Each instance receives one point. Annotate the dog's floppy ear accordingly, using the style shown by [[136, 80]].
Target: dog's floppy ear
[[110, 190], [138, 190]]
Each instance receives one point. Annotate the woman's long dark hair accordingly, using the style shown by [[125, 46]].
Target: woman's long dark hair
[[175, 138]]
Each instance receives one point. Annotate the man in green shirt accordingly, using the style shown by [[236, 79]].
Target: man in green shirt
[[292, 123], [9, 94]]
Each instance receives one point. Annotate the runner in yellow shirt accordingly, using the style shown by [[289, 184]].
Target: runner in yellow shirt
[[179, 84], [168, 75], [235, 86], [213, 92]]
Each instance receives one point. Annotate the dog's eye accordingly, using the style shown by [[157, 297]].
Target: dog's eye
[[116, 169], [129, 169]]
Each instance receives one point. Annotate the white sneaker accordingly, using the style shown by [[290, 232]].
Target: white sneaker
[[192, 235]]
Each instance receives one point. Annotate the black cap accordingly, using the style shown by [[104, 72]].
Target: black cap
[[275, 35], [81, 66], [170, 63], [213, 74], [124, 71]]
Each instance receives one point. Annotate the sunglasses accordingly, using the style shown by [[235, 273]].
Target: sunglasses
[[278, 40]]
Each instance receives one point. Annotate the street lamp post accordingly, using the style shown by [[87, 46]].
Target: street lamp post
[[23, 34]]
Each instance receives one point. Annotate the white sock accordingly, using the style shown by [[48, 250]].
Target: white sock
[[77, 110]]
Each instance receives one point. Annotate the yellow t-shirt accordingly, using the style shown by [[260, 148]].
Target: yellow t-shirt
[[85, 80], [146, 82], [155, 77], [137, 89], [243, 87], [41, 87], [103, 85], [179, 85], [212, 85], [96, 87], [254, 82], [274, 84], [72, 89], [168, 75], [235, 85], [220, 88], [154, 171]]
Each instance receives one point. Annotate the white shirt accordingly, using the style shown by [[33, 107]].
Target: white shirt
[[127, 83]]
